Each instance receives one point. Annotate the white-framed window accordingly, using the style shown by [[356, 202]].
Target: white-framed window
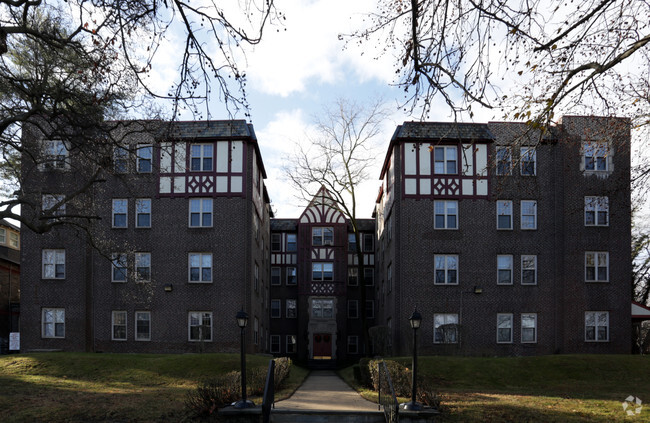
[[528, 161], [322, 236], [292, 308], [322, 308], [353, 276], [370, 309], [120, 213], [446, 269], [596, 266], [118, 323], [597, 326], [292, 243], [504, 214], [276, 242], [322, 271], [445, 328], [276, 276], [256, 331], [503, 161], [504, 269], [528, 214], [445, 160], [528, 328], [50, 201], [275, 344], [3, 236], [145, 155], [54, 264], [118, 267], [276, 309], [595, 155], [256, 277], [143, 326], [200, 213], [368, 276], [353, 309], [504, 328], [529, 270], [368, 243], [596, 211], [291, 344], [13, 239], [353, 344], [201, 157], [292, 276], [53, 323], [143, 213], [352, 243], [55, 155], [120, 160], [143, 267], [200, 267], [445, 214], [199, 325]]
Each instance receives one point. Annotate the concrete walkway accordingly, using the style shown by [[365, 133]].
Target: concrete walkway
[[325, 390]]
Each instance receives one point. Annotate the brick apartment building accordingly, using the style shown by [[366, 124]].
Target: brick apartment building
[[508, 244], [9, 282]]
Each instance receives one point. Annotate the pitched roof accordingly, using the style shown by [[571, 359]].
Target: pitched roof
[[212, 129], [444, 130]]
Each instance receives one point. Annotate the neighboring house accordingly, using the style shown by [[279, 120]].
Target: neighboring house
[[507, 244], [9, 282]]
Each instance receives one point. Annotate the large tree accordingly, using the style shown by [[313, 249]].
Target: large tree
[[338, 156]]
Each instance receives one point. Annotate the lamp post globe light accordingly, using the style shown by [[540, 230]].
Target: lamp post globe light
[[415, 320], [242, 321]]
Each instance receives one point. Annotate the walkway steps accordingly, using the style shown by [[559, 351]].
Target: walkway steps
[[319, 416]]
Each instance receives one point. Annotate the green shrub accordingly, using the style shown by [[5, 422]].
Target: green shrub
[[364, 369]]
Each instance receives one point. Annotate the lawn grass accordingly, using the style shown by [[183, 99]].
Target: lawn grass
[[559, 388], [85, 387]]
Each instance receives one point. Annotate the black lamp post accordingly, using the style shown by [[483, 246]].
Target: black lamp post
[[242, 321], [415, 320]]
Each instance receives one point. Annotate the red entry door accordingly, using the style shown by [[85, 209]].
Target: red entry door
[[322, 346]]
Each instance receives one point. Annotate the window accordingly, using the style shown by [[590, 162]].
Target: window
[[120, 160], [276, 309], [352, 243], [292, 243], [596, 211], [200, 212], [292, 309], [445, 160], [528, 214], [53, 264], [120, 213], [504, 270], [529, 328], [353, 344], [389, 277], [504, 214], [3, 235], [353, 276], [119, 326], [445, 214], [369, 276], [596, 266], [53, 321], [145, 153], [292, 277], [353, 309], [322, 236], [276, 276], [275, 344], [597, 326], [291, 344], [322, 308], [528, 161], [504, 328], [370, 309], [595, 155], [118, 265], [445, 328], [322, 271], [256, 277], [256, 331], [200, 326], [200, 267], [201, 157], [368, 243], [528, 270], [276, 243], [143, 267], [55, 155], [446, 269], [143, 213], [49, 203], [142, 325], [504, 161], [13, 239]]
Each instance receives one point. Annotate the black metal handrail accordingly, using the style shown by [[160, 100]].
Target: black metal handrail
[[268, 400], [388, 399]]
